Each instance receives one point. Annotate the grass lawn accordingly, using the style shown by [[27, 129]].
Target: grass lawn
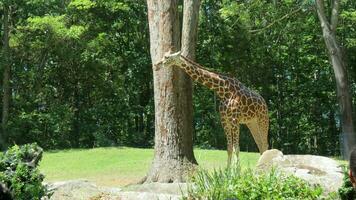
[[120, 166]]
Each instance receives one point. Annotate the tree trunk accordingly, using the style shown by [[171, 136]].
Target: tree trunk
[[339, 67], [173, 156], [6, 75], [76, 133], [189, 38], [190, 28], [343, 95]]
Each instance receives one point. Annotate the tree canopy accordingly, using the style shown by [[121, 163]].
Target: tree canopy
[[81, 72]]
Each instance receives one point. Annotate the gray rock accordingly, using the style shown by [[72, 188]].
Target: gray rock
[[320, 170], [73, 190], [84, 190], [145, 196], [161, 188]]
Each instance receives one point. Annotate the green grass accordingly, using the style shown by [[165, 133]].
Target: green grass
[[341, 161], [120, 166]]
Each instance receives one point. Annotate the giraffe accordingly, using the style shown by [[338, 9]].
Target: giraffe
[[238, 104]]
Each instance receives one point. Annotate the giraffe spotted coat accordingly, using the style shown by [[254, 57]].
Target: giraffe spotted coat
[[238, 104]]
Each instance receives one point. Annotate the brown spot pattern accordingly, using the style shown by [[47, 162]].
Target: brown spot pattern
[[238, 105]]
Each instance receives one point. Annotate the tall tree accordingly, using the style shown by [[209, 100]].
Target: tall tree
[[339, 66], [188, 48], [173, 158], [6, 19], [190, 28]]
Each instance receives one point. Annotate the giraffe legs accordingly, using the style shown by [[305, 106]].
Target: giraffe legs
[[232, 136], [229, 150], [233, 147], [235, 143], [228, 132]]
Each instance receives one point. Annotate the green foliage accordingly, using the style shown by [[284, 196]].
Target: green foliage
[[347, 191], [350, 21], [82, 77], [285, 62], [81, 4], [18, 171], [82, 66], [234, 183]]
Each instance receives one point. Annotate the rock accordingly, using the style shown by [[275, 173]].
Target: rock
[[162, 188], [73, 190], [268, 157], [84, 190], [314, 169], [142, 196]]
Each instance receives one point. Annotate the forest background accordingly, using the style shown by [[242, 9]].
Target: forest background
[[81, 74]]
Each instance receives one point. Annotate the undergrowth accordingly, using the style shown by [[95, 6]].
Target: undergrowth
[[19, 174], [236, 184]]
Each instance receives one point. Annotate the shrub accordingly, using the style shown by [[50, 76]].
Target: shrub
[[235, 184], [347, 192], [19, 173]]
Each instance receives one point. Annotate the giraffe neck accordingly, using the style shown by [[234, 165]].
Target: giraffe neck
[[211, 80]]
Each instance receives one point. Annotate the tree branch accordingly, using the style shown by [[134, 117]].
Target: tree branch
[[321, 14], [335, 15], [274, 22]]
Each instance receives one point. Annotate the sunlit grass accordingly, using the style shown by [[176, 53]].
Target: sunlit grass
[[120, 166]]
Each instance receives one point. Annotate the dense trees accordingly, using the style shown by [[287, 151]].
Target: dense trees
[[82, 76], [72, 84]]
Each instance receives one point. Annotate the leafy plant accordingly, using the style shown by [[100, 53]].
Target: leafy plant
[[233, 183], [19, 173], [347, 192]]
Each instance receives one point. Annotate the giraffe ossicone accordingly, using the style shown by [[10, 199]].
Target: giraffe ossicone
[[238, 104], [171, 59]]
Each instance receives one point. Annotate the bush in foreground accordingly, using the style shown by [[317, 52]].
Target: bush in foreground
[[19, 173], [347, 192], [234, 184]]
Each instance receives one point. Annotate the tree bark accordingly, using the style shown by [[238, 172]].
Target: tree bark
[[190, 28], [340, 72], [6, 74], [188, 47], [173, 157]]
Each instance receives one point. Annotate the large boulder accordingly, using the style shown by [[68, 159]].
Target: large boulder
[[73, 190], [320, 170], [84, 190]]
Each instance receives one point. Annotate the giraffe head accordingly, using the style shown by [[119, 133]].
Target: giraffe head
[[171, 58]]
